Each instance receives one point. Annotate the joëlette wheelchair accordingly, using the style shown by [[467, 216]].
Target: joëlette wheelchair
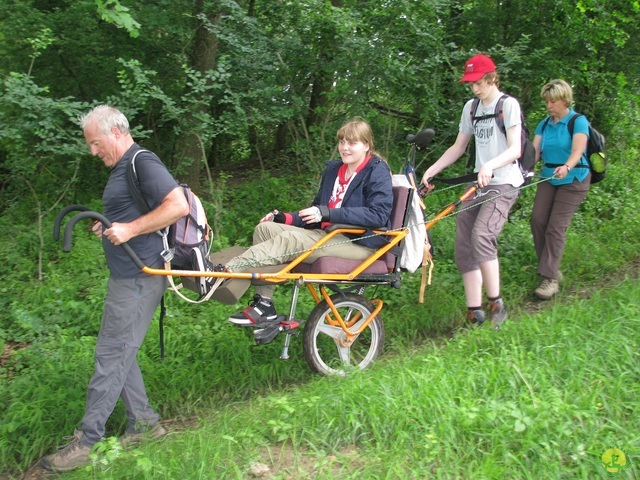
[[344, 330]]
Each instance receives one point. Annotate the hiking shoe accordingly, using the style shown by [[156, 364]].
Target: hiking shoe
[[475, 317], [497, 312], [154, 433], [547, 289], [68, 457], [260, 312]]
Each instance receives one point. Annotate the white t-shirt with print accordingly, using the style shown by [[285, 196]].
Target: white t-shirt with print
[[490, 141]]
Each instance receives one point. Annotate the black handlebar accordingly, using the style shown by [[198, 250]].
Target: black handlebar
[[63, 213], [86, 213]]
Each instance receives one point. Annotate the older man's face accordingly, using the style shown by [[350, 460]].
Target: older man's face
[[103, 145]]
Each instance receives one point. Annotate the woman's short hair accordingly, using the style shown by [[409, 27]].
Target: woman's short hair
[[557, 90]]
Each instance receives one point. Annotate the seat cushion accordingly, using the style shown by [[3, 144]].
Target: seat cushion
[[336, 265]]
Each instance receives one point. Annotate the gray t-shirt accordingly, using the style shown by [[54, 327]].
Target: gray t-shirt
[[490, 141], [119, 206]]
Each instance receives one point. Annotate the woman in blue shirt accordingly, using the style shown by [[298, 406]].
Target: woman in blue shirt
[[565, 163]]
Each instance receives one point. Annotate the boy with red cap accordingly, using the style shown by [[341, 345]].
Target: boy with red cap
[[498, 179]]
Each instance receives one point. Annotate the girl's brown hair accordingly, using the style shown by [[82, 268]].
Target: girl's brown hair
[[358, 130]]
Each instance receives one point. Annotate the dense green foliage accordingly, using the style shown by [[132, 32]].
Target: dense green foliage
[[244, 98], [258, 83]]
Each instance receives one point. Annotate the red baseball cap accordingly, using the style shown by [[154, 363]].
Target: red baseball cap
[[476, 67]]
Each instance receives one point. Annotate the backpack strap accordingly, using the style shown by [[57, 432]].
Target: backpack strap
[[571, 123], [176, 288], [498, 114], [570, 126], [133, 183], [474, 109]]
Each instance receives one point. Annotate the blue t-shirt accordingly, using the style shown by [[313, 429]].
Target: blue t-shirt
[[119, 206], [555, 148]]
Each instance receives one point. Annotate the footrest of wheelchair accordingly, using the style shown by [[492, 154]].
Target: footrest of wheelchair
[[267, 334]]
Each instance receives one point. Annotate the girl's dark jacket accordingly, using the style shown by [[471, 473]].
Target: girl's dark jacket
[[366, 203]]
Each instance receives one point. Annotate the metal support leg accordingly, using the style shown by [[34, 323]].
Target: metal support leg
[[292, 313]]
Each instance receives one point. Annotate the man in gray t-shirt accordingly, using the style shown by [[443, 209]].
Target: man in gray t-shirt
[[132, 295], [498, 177]]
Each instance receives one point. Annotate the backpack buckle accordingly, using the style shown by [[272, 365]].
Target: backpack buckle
[[167, 255]]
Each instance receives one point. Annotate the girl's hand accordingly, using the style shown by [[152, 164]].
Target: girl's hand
[[310, 215]]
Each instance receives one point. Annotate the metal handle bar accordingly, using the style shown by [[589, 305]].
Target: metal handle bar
[[451, 207], [106, 223], [62, 214]]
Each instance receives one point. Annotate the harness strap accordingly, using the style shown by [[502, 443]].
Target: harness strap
[[204, 298], [467, 178], [427, 259], [163, 311]]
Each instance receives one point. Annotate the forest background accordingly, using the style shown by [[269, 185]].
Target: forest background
[[242, 101]]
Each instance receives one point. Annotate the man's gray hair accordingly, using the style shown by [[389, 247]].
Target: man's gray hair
[[106, 117]]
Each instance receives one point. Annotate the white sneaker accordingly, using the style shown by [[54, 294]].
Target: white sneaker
[[547, 289]]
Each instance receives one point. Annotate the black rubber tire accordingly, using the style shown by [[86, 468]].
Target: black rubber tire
[[322, 341]]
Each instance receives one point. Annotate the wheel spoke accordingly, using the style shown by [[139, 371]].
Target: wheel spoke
[[330, 331], [326, 348]]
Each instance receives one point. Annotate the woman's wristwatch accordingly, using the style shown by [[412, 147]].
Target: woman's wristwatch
[[568, 168]]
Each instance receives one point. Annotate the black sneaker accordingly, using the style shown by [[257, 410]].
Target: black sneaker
[[260, 312]]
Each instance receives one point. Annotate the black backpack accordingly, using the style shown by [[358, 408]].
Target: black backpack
[[596, 153], [186, 242], [527, 159]]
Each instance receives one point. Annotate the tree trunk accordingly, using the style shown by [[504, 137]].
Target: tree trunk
[[204, 57]]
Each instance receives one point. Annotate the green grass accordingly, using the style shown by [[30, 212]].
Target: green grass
[[543, 398]]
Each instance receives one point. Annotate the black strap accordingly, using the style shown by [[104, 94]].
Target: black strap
[[469, 177], [571, 123], [163, 311], [554, 165], [133, 182], [497, 111]]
